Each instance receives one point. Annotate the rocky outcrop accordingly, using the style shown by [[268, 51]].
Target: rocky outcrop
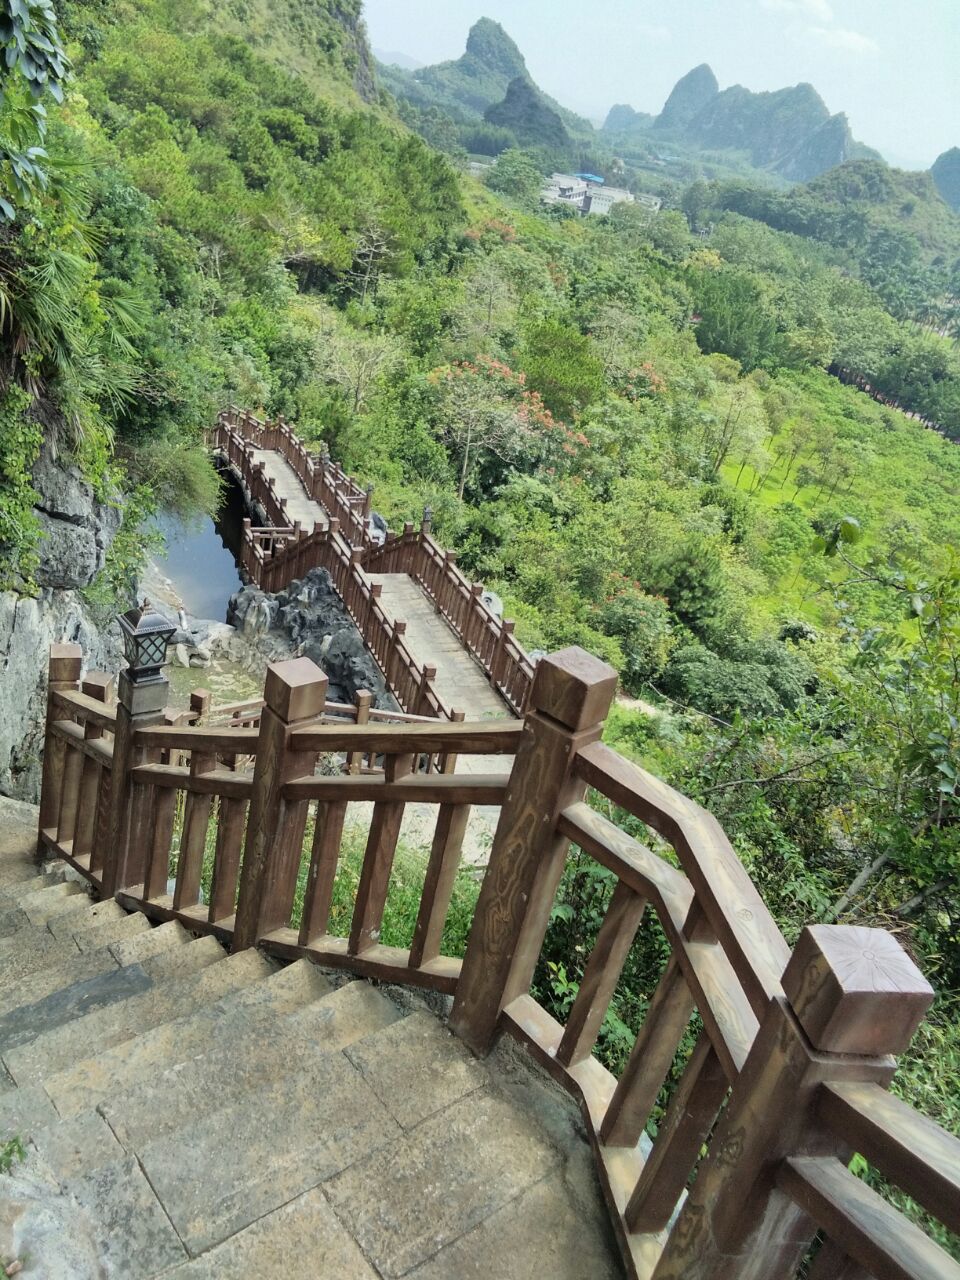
[[526, 114], [28, 627], [310, 619], [77, 527], [622, 117], [946, 175], [688, 97]]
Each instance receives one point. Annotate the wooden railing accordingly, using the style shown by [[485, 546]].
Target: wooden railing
[[274, 555], [774, 1062]]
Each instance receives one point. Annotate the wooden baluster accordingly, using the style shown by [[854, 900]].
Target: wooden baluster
[[600, 978], [164, 815], [571, 699], [421, 705], [193, 838], [439, 883], [128, 849], [63, 675], [473, 626], [654, 1050], [831, 1263], [226, 859], [447, 763], [378, 863], [364, 703], [324, 855], [97, 685], [499, 657], [852, 997], [680, 1137], [295, 691]]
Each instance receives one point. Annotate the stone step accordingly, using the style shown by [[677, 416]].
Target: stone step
[[236, 1164], [134, 1236], [67, 923], [38, 906], [15, 873], [114, 948], [299, 1239], [149, 1003], [241, 1061], [144, 1058], [23, 1111]]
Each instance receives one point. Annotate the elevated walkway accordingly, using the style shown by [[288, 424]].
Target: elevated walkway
[[300, 507], [199, 1116]]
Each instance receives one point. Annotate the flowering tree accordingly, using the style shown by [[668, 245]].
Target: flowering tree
[[486, 407]]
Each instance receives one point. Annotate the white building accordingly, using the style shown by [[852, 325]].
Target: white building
[[582, 193]]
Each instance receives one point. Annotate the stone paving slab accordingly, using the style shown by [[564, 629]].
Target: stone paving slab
[[287, 482], [242, 1165], [153, 942], [134, 1235], [77, 1146], [38, 906], [416, 1067], [56, 1011], [44, 982], [22, 1111], [537, 1234], [116, 1070], [243, 1053], [439, 1180], [303, 1240], [87, 915], [104, 932], [31, 1063]]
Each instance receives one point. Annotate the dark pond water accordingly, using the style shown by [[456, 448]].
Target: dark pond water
[[201, 557]]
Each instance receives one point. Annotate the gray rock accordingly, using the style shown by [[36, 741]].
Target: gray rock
[[28, 627], [77, 527], [46, 1229], [308, 618]]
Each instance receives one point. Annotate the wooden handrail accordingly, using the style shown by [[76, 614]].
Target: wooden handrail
[[793, 1049]]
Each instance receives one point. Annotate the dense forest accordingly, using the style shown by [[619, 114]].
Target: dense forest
[[628, 426]]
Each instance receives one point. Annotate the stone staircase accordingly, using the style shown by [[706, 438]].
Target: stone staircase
[[192, 1114]]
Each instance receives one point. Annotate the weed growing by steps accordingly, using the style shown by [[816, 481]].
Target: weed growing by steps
[[11, 1152]]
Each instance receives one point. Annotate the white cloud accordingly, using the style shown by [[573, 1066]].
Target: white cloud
[[845, 40], [817, 10]]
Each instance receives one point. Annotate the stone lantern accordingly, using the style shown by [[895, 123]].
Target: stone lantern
[[146, 634]]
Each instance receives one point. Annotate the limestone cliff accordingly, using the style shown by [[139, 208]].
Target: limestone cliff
[[946, 175], [77, 530]]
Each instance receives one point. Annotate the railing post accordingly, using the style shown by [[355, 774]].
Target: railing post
[[295, 690], [138, 707], [63, 673], [200, 702], [426, 524], [852, 997], [570, 700], [364, 703]]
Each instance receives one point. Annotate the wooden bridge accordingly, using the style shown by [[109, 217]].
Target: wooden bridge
[[765, 1066], [439, 645]]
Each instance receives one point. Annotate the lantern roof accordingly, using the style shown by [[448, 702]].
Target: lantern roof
[[144, 620]]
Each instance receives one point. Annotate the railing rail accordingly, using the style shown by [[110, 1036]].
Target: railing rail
[[274, 555], [775, 1061]]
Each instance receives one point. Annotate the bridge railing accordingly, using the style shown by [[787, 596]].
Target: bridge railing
[[483, 633], [270, 558], [757, 1070]]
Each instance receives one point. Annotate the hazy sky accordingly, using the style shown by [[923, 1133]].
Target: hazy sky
[[892, 65]]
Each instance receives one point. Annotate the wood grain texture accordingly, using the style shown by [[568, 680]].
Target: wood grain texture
[[855, 990], [601, 975], [659, 1037], [681, 1133], [63, 675], [439, 881], [906, 1146], [158, 865], [729, 898], [484, 737], [193, 837], [324, 857], [231, 816], [868, 1229], [378, 864]]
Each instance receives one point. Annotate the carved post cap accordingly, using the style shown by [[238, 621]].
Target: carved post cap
[[99, 685], [573, 687], [855, 990], [364, 697], [429, 671], [65, 662], [295, 689]]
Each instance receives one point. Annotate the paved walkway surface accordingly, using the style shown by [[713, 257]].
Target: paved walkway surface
[[199, 1116], [287, 482], [460, 682]]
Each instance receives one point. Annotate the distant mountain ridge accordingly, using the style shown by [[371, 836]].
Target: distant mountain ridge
[[476, 81], [789, 132], [946, 176]]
